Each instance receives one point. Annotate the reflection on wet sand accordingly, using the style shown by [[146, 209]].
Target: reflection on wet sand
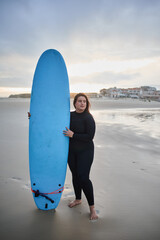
[[147, 121], [144, 116]]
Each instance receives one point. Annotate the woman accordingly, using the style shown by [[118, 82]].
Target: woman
[[81, 151]]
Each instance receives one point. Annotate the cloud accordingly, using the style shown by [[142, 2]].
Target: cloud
[[16, 71], [105, 78], [83, 31], [79, 27], [84, 69], [146, 74]]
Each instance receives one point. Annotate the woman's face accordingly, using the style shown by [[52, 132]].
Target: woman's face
[[80, 104]]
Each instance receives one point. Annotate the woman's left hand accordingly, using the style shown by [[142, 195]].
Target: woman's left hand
[[68, 133]]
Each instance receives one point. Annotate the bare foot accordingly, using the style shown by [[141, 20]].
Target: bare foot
[[93, 215], [74, 203]]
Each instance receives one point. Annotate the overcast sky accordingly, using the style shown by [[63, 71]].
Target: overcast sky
[[105, 43]]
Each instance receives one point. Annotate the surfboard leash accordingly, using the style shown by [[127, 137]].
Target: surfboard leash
[[38, 193]]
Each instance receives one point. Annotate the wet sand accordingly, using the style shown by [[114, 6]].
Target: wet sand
[[125, 175]]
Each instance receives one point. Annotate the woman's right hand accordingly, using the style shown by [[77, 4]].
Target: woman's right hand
[[68, 133]]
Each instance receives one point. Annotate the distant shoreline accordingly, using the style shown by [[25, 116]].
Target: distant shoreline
[[90, 95], [22, 95], [28, 95]]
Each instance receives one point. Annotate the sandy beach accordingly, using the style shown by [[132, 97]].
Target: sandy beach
[[125, 175]]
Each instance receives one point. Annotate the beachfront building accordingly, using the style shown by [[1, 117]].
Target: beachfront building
[[133, 92], [144, 92], [157, 94], [147, 92], [115, 92], [103, 92], [124, 91], [112, 92], [121, 92]]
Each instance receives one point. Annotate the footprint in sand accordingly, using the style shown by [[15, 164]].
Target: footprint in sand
[[16, 179], [24, 185]]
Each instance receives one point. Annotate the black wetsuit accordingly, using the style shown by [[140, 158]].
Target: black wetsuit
[[81, 153]]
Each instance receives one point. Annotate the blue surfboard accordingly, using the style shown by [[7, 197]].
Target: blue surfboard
[[49, 115]]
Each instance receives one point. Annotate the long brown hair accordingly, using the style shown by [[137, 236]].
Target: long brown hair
[[87, 101]]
